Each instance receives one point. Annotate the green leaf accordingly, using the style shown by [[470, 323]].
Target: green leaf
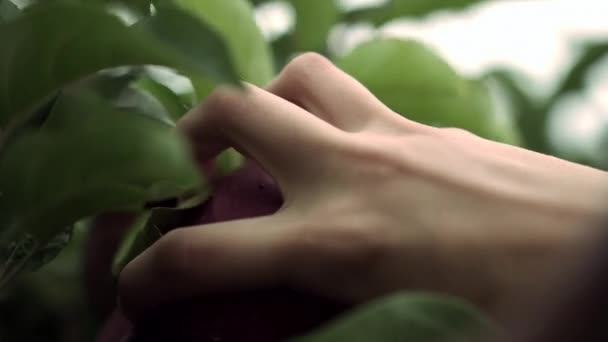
[[51, 249], [41, 54], [199, 43], [8, 11], [518, 103], [139, 236], [227, 162], [129, 88], [413, 81], [575, 78], [314, 19], [172, 103], [110, 83], [87, 158], [139, 100], [394, 9], [137, 8], [234, 21], [407, 317], [152, 225], [602, 161], [26, 253], [258, 2]]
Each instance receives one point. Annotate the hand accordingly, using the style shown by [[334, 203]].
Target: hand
[[373, 202]]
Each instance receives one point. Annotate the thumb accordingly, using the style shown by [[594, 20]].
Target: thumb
[[232, 255]]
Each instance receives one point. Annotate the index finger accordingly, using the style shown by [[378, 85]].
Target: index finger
[[281, 136]]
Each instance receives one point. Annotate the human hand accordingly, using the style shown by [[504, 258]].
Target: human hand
[[373, 202]]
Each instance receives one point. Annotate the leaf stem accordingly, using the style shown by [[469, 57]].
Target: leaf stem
[[9, 273]]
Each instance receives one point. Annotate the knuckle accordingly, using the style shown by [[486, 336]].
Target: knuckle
[[297, 74], [308, 62]]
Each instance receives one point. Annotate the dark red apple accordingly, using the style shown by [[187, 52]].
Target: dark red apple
[[264, 315]]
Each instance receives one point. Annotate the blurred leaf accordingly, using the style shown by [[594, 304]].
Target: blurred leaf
[[283, 50], [124, 89], [525, 108], [8, 11], [198, 41], [227, 162], [519, 98], [139, 236], [45, 253], [501, 126], [394, 9], [257, 2], [139, 7], [314, 19], [573, 81], [86, 158], [575, 78], [414, 317], [110, 83], [603, 157], [533, 117], [138, 100], [413, 81], [41, 53], [313, 22], [170, 100], [234, 21], [43, 305]]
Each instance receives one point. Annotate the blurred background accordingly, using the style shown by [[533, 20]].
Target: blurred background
[[543, 55], [545, 63]]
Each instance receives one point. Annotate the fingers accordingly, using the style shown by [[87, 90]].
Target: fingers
[[314, 83], [281, 136], [240, 254]]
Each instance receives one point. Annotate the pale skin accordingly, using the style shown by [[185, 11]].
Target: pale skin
[[374, 202]]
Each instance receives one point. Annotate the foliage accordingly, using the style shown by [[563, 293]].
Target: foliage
[[533, 114], [406, 8], [85, 128], [401, 72], [407, 317]]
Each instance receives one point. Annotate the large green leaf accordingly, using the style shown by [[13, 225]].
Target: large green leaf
[[55, 43], [406, 8], [408, 317], [8, 11], [235, 22], [86, 158], [413, 81]]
